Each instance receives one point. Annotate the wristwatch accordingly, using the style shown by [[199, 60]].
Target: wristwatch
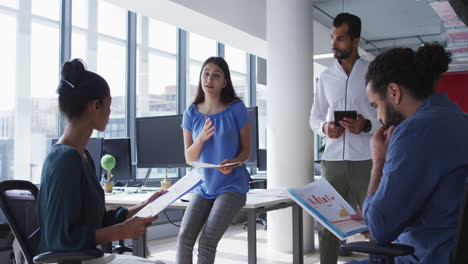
[[368, 126]]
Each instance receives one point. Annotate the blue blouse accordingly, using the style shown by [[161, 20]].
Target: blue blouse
[[70, 205], [224, 144]]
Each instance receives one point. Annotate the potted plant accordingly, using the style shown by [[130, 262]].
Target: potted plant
[[108, 163], [165, 184]]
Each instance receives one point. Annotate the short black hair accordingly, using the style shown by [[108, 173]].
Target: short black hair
[[416, 71], [78, 87], [353, 22]]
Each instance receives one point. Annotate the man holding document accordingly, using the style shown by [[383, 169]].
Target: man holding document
[[421, 163]]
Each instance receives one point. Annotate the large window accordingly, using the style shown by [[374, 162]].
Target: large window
[[237, 61], [28, 108], [31, 54], [156, 68], [200, 49], [99, 38], [156, 75]]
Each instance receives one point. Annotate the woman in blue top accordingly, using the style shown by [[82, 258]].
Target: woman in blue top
[[70, 206], [216, 130]]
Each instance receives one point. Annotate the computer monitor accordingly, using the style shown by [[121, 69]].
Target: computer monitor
[[94, 148], [120, 148], [253, 116], [160, 142], [262, 159]]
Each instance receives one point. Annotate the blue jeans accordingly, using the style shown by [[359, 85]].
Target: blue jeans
[[216, 214]]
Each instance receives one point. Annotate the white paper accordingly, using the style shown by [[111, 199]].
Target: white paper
[[174, 192], [209, 165]]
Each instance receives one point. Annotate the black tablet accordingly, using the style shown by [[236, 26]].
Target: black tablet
[[340, 115]]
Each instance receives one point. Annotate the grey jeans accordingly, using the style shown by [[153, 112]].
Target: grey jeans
[[216, 214]]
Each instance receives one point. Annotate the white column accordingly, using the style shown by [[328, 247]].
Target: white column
[[289, 100]]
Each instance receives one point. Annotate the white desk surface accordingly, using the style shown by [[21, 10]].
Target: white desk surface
[[255, 198]]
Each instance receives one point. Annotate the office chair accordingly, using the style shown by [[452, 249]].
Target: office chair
[[18, 203], [121, 248], [386, 253]]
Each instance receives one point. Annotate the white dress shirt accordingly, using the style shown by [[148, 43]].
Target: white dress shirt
[[336, 91]]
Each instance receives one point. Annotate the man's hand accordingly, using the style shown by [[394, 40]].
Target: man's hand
[[135, 227], [379, 145], [331, 130], [359, 217], [208, 130], [354, 126]]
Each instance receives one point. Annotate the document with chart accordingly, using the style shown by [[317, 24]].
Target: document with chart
[[184, 185], [327, 206]]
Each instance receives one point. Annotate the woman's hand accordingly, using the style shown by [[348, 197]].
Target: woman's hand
[[227, 170], [207, 131], [136, 226]]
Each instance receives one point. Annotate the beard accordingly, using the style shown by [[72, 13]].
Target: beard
[[392, 117], [343, 53]]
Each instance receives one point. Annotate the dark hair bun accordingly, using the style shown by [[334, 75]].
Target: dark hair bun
[[77, 87], [433, 60], [71, 74]]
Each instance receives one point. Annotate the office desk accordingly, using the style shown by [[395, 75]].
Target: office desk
[[258, 201]]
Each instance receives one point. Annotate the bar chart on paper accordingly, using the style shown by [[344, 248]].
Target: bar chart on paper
[[323, 202]]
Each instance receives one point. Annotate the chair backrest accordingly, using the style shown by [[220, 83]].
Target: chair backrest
[[18, 203], [460, 252]]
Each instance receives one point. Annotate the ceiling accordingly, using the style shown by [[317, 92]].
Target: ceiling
[[385, 23], [409, 23]]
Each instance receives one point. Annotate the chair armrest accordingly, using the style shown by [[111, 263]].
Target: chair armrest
[[68, 256], [370, 247]]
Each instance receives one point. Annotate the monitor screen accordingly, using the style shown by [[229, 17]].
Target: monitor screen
[[94, 148], [160, 142], [121, 150], [253, 116]]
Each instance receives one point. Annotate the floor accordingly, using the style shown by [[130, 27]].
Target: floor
[[232, 249]]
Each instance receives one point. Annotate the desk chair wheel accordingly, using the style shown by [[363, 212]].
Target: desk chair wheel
[[121, 248], [257, 221]]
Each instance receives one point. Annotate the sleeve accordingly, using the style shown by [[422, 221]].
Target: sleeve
[[375, 124], [371, 115], [319, 110], [241, 114], [63, 226], [187, 119], [395, 203], [113, 217]]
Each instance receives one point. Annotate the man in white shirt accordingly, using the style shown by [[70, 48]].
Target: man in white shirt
[[346, 161]]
